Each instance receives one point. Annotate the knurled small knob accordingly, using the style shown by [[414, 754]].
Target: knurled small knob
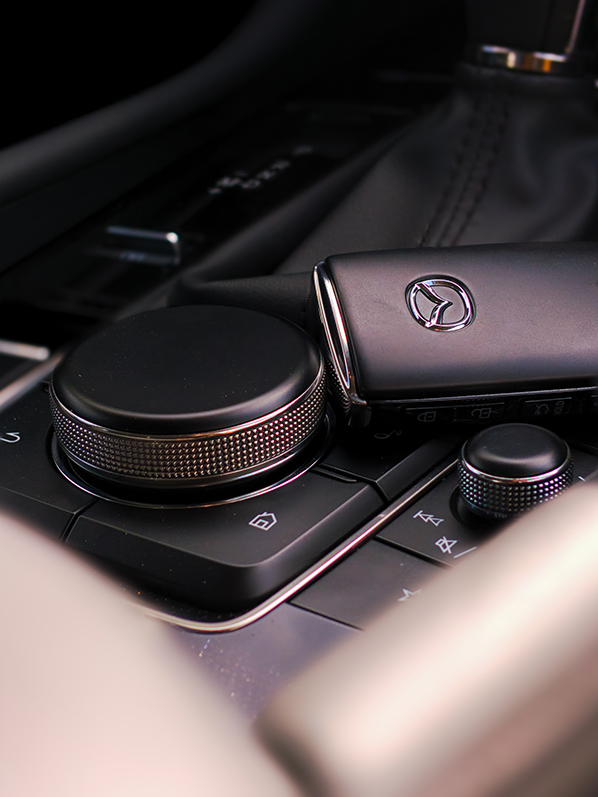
[[505, 470]]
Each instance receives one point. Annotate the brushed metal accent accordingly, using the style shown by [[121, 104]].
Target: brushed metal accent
[[307, 460], [576, 27], [28, 381], [524, 61], [170, 240], [337, 349]]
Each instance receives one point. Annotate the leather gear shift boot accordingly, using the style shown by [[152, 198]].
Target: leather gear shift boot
[[508, 157]]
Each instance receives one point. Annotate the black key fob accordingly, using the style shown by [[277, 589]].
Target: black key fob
[[475, 333]]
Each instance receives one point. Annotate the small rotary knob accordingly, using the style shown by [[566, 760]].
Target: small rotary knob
[[187, 397], [508, 469]]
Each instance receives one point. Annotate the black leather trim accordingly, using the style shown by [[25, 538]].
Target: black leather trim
[[508, 157], [288, 296]]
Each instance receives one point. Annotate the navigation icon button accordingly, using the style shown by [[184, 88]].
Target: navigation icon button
[[264, 521]]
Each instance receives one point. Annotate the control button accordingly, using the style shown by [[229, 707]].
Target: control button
[[371, 579], [508, 469], [430, 529], [12, 367], [484, 413], [231, 555], [49, 520], [425, 415], [388, 456], [546, 407], [134, 409], [584, 465], [264, 521], [25, 467]]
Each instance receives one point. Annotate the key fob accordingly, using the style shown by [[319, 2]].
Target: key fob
[[475, 333]]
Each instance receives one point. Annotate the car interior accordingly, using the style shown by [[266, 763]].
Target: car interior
[[292, 345]]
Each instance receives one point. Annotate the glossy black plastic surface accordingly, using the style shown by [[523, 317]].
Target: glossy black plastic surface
[[26, 468], [231, 555], [370, 580], [430, 528]]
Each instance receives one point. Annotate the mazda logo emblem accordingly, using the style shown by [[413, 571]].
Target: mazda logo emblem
[[440, 303]]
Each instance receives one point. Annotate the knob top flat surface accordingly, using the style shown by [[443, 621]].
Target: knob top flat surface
[[515, 450], [186, 370]]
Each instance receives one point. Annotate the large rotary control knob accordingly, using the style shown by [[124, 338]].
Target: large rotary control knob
[[505, 470], [197, 397]]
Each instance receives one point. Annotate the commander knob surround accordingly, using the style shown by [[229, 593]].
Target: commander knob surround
[[189, 405]]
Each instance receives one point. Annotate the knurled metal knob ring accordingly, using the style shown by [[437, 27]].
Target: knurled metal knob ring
[[192, 460], [503, 496]]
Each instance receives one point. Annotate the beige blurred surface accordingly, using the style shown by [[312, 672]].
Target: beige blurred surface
[[487, 684], [95, 700]]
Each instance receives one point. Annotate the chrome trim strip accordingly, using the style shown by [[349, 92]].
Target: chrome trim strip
[[29, 352], [572, 43], [151, 235], [342, 361], [171, 239], [26, 382], [523, 61], [303, 580]]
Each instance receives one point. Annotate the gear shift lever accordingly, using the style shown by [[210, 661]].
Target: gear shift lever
[[510, 156], [545, 36]]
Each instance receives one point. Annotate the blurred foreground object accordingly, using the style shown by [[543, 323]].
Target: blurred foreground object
[[486, 684], [96, 699]]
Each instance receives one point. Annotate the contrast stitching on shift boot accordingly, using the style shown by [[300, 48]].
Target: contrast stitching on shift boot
[[305, 305], [459, 157], [483, 117], [485, 133], [483, 174]]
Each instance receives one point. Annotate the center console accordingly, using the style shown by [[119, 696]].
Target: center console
[[196, 453], [235, 498]]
